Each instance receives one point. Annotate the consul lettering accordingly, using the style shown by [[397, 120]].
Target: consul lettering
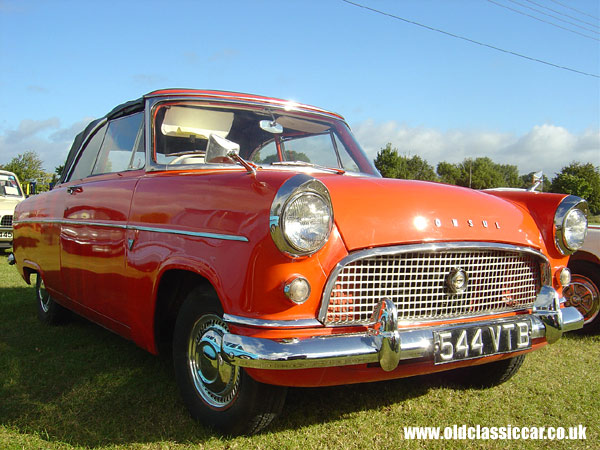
[[469, 222]]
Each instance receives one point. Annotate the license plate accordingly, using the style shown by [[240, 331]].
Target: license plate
[[6, 234], [475, 341]]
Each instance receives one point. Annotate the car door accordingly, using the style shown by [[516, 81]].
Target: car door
[[94, 226]]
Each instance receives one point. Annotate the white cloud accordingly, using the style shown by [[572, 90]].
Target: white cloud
[[545, 147], [46, 137]]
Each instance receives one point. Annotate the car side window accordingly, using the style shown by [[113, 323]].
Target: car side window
[[347, 162], [85, 163], [138, 158], [119, 150], [266, 155]]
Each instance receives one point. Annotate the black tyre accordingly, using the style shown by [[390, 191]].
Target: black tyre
[[49, 312], [216, 393], [487, 375], [584, 293]]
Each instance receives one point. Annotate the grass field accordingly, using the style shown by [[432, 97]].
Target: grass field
[[80, 386]]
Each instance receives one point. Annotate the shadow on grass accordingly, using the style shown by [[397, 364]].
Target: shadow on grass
[[80, 384]]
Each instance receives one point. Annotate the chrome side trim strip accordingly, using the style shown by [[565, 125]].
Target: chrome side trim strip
[[262, 323], [223, 237], [73, 222]]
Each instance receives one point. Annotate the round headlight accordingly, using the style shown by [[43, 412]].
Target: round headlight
[[301, 216], [570, 224], [306, 222], [575, 229]]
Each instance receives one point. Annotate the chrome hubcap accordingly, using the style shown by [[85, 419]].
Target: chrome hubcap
[[42, 294], [583, 294], [216, 381]]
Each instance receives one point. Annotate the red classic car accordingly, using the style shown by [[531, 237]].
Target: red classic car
[[253, 239]]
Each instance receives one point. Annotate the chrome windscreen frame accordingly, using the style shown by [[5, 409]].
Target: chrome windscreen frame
[[545, 270], [152, 101]]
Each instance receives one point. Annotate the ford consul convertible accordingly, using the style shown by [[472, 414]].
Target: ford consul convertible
[[253, 239]]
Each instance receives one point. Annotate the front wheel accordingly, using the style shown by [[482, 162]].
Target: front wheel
[[487, 375], [218, 394], [49, 312]]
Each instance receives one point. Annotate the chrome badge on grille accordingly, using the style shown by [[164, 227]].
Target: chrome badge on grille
[[457, 280]]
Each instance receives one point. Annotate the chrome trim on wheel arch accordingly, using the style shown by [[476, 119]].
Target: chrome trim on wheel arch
[[266, 323]]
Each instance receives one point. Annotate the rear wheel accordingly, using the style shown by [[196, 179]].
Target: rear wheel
[[584, 293], [49, 311], [487, 375], [218, 394]]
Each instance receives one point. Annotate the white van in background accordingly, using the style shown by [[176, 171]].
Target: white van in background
[[11, 195]]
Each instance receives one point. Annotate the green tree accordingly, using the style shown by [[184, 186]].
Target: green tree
[[479, 173], [449, 173], [582, 180], [388, 162], [484, 174], [392, 165], [510, 174], [57, 173], [28, 168]]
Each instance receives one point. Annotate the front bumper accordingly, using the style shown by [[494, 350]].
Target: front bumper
[[383, 343]]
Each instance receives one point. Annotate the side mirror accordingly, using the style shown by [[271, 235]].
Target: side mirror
[[271, 126], [538, 179], [218, 149]]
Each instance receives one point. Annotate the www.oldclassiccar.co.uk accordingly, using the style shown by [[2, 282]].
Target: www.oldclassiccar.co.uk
[[509, 432]]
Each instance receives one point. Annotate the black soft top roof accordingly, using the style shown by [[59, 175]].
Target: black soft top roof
[[121, 110]]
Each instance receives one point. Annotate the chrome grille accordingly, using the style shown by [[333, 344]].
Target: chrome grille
[[499, 280], [6, 221]]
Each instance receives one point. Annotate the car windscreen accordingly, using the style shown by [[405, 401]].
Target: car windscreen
[[9, 187], [265, 137]]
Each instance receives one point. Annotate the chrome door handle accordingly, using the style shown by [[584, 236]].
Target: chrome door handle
[[74, 189]]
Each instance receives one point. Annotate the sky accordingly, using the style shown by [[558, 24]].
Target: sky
[[423, 76]]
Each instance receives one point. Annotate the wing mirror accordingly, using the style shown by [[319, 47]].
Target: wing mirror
[[538, 179], [271, 126], [218, 150]]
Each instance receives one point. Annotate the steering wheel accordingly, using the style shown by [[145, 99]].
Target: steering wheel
[[182, 157]]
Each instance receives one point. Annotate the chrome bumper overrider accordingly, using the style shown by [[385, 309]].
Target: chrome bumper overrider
[[383, 343]]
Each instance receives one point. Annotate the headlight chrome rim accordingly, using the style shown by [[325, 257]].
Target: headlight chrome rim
[[566, 243], [297, 188], [298, 239]]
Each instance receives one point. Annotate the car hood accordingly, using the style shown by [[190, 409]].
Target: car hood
[[373, 212], [7, 204]]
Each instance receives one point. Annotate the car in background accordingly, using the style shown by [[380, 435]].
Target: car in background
[[11, 195], [253, 240], [584, 291]]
